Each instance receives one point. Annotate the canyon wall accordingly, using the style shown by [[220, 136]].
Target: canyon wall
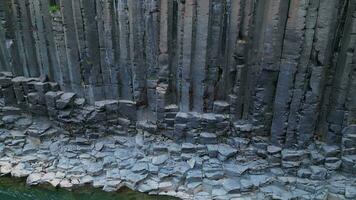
[[286, 66]]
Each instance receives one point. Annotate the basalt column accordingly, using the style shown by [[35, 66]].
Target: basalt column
[[282, 69]]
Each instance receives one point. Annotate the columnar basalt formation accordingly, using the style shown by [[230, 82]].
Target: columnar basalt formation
[[279, 73]]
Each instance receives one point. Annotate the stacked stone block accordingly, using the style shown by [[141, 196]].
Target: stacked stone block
[[66, 108], [191, 124], [349, 149]]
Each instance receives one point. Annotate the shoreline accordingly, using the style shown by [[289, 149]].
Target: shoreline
[[10, 186]]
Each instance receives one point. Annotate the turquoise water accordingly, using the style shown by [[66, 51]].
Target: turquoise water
[[16, 189]]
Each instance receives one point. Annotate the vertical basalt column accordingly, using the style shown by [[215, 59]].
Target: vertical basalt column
[[54, 67], [44, 41], [187, 41], [152, 37], [240, 56], [318, 66], [24, 37], [9, 28], [213, 53], [272, 27], [162, 79], [106, 26], [7, 89], [39, 36], [300, 79], [125, 76], [136, 10], [60, 46], [232, 26], [4, 54], [4, 51], [71, 46], [91, 60], [342, 80], [291, 54], [198, 71]]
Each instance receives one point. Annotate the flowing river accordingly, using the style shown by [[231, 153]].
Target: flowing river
[[16, 189]]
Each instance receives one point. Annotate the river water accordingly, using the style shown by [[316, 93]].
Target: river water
[[16, 189]]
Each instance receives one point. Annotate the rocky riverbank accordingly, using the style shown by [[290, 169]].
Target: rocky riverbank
[[237, 167]]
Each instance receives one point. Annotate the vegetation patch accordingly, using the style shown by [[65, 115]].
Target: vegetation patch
[[53, 8]]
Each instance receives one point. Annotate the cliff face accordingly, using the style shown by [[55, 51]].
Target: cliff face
[[286, 65]]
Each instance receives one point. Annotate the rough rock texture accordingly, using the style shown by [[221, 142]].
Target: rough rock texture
[[196, 71], [48, 152], [288, 66]]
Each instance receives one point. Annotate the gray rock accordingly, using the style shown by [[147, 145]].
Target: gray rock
[[221, 107], [194, 176], [245, 127], [188, 148], [273, 149], [304, 173], [226, 151], [66, 99], [9, 119], [38, 128], [123, 154], [109, 161], [232, 186], [235, 169], [207, 138], [65, 183], [140, 167], [316, 157], [293, 155], [110, 106], [94, 169], [23, 122], [318, 173], [34, 179], [132, 177], [21, 170], [159, 160], [51, 98], [330, 150], [148, 186], [246, 185], [332, 163], [350, 192]]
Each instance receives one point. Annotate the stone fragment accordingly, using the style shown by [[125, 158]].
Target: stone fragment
[[38, 128], [304, 173], [94, 169], [65, 183], [332, 163], [128, 109], [51, 98], [330, 150], [221, 107], [194, 176], [159, 160], [318, 173], [34, 179], [232, 186], [273, 149], [226, 151], [207, 138], [350, 192], [66, 100]]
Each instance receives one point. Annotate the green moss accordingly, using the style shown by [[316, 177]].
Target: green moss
[[53, 8]]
